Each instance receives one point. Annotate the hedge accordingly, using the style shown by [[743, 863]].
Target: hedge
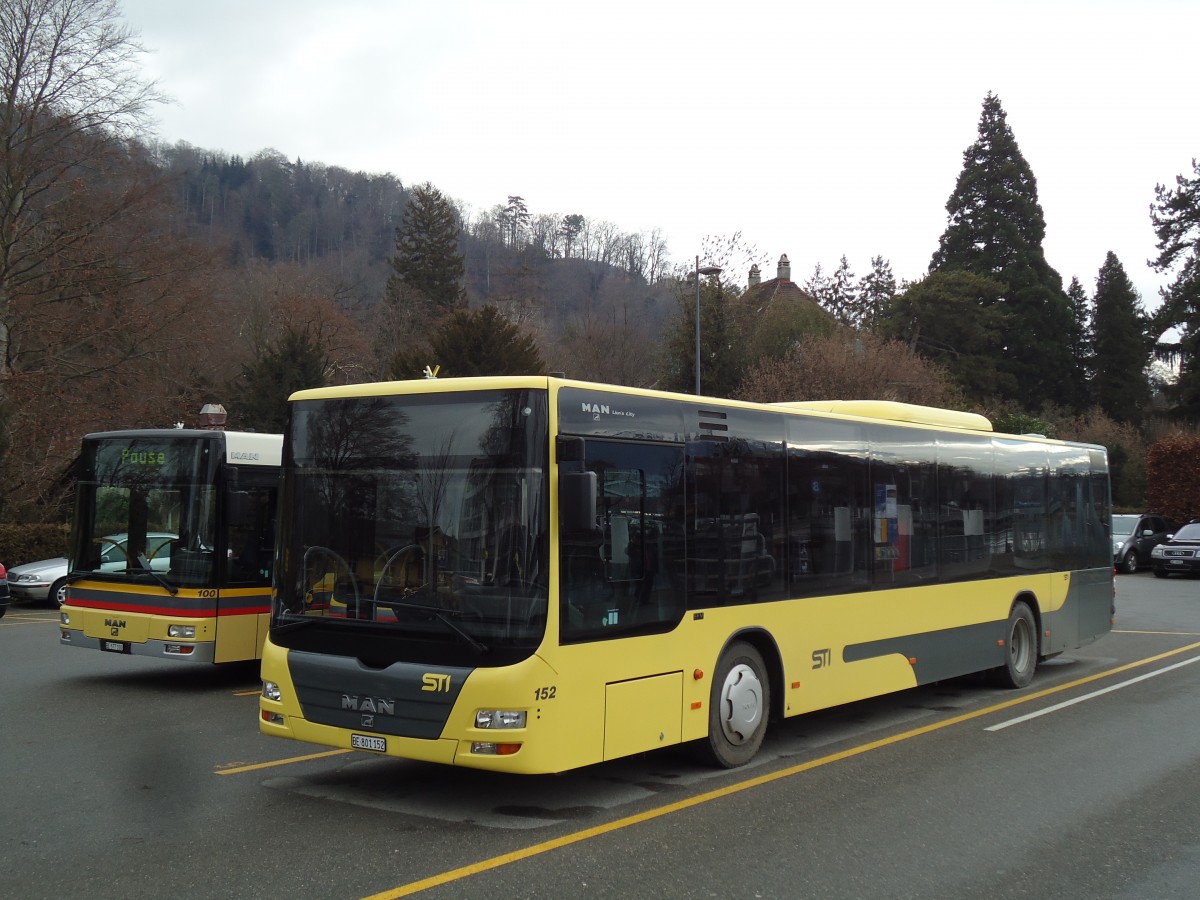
[[1173, 477], [20, 544]]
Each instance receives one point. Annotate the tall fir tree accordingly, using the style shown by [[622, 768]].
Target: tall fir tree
[[843, 295], [1175, 215], [294, 360], [1080, 337], [428, 265], [876, 291], [724, 344], [955, 319], [475, 342], [820, 287], [1120, 382], [995, 229]]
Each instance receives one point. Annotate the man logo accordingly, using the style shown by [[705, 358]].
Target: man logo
[[384, 706], [432, 681]]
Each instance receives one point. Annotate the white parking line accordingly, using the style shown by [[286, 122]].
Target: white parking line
[[1102, 691]]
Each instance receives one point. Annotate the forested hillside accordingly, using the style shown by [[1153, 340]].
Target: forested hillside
[[139, 281]]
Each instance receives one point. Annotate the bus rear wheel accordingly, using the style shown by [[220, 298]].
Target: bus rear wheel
[[1020, 648], [739, 706]]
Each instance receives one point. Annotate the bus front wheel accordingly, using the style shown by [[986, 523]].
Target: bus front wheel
[[739, 705], [1020, 648]]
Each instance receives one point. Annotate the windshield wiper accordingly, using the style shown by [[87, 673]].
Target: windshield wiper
[[172, 588], [439, 614]]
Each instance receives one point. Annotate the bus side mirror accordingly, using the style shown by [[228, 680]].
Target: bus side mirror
[[577, 503]]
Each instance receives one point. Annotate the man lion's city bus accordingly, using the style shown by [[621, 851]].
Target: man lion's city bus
[[173, 544], [535, 574]]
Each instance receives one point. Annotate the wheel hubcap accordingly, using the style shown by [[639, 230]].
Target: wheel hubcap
[[741, 704], [1019, 645]]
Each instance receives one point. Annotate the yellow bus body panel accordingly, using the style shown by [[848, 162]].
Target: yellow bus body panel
[[656, 689], [232, 638]]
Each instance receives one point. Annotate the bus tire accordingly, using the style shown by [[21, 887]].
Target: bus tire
[[1020, 648], [739, 706]]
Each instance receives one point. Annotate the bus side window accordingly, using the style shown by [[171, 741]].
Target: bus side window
[[619, 577]]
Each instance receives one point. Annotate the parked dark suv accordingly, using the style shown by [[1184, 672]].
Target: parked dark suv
[[1180, 554], [3, 591], [1134, 536]]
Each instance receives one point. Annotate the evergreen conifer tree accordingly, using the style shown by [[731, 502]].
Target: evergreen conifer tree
[[956, 320], [876, 291], [995, 230], [293, 361], [475, 342], [1175, 215], [1122, 349], [842, 297], [724, 342], [1080, 337], [428, 265]]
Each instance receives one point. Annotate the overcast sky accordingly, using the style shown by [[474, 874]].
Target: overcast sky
[[816, 129]]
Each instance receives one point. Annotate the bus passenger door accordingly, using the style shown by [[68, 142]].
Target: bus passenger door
[[244, 597]]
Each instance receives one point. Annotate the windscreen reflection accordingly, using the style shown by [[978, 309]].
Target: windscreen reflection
[[423, 516]]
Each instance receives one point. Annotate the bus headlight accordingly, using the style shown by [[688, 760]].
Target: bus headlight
[[185, 632], [64, 618], [271, 691], [500, 718]]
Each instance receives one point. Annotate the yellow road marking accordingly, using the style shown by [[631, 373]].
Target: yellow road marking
[[238, 769], [566, 840], [12, 618]]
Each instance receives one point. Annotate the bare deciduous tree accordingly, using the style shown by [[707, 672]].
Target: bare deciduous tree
[[850, 365], [69, 89]]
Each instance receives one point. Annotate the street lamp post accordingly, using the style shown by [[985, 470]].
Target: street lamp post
[[707, 270]]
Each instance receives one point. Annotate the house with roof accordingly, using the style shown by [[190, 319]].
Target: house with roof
[[778, 312]]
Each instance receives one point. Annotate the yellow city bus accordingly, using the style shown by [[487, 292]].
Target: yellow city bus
[[173, 543], [535, 574]]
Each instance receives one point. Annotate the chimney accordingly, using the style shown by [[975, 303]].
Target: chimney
[[755, 276], [212, 416], [785, 268]]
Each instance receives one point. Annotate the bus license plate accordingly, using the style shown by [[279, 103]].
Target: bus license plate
[[114, 646], [368, 742]]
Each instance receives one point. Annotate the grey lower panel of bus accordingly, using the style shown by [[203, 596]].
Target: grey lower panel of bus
[[202, 653], [1086, 614], [937, 655], [404, 699]]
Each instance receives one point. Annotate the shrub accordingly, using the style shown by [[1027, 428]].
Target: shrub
[[1172, 477], [20, 544]]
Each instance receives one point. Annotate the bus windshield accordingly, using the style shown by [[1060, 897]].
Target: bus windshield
[[146, 506], [419, 519]]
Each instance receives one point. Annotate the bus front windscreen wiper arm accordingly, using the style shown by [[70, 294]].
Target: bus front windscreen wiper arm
[[439, 614]]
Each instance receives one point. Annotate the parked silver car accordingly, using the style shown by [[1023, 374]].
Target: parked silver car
[[45, 581], [39, 582]]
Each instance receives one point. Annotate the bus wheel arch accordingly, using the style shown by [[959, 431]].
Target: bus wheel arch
[[1021, 644], [741, 699]]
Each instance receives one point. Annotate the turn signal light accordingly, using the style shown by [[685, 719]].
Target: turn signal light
[[486, 748]]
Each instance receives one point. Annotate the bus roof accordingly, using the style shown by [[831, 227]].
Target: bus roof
[[895, 411]]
